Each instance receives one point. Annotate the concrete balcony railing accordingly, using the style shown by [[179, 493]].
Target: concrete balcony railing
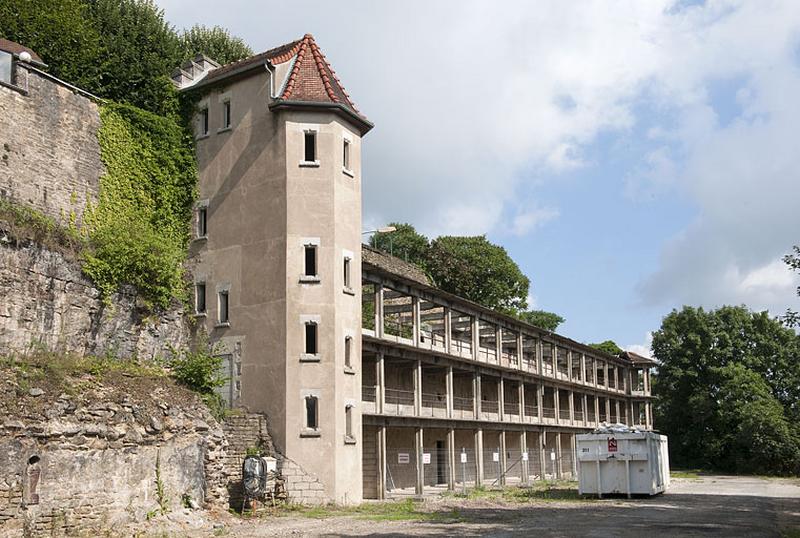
[[461, 348], [463, 407], [490, 410], [531, 413], [399, 402], [434, 405], [578, 416], [511, 411], [563, 414], [369, 399]]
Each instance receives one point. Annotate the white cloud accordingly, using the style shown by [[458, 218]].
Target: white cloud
[[530, 219], [643, 349]]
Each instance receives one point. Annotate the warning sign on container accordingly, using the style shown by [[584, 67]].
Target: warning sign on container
[[612, 444]]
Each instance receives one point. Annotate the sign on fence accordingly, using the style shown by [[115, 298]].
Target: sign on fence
[[524, 456], [463, 457], [403, 457], [426, 458], [495, 456], [612, 444]]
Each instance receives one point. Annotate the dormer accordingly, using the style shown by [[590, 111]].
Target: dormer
[[193, 71]]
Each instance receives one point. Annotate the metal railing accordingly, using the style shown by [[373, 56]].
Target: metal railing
[[548, 412], [369, 393]]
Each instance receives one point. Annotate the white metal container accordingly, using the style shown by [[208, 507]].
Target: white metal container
[[624, 462]]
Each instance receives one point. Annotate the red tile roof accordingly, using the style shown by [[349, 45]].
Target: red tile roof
[[312, 79], [16, 48]]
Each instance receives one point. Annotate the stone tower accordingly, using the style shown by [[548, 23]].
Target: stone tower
[[277, 249]]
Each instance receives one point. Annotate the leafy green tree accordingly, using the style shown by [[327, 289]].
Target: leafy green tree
[[140, 50], [542, 319], [703, 357], [61, 32], [478, 270], [609, 346], [405, 243], [217, 43]]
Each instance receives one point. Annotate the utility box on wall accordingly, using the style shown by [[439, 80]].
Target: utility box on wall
[[622, 461]]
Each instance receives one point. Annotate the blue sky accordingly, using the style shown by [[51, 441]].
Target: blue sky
[[632, 157]]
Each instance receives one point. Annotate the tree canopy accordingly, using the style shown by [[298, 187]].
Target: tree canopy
[[728, 390], [122, 50], [472, 267], [609, 346], [793, 261], [217, 43]]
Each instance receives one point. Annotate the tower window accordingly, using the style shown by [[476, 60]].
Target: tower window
[[311, 338], [312, 414], [226, 114], [204, 121], [222, 300], [202, 222], [348, 422], [6, 67], [348, 351], [310, 260], [310, 149], [346, 272], [200, 298], [346, 154]]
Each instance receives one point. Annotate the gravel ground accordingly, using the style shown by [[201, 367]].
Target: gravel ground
[[708, 506]]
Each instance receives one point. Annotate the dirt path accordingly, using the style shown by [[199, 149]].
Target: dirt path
[[709, 506]]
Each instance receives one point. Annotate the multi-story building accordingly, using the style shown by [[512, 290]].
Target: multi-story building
[[373, 380]]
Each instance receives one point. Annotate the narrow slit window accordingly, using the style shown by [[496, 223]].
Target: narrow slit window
[[311, 338], [348, 420], [200, 298], [346, 154], [310, 260], [312, 419], [310, 146], [226, 114], [346, 272], [223, 307], [202, 222], [204, 121], [348, 351]]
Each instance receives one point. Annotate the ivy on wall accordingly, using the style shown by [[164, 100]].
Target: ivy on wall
[[139, 229]]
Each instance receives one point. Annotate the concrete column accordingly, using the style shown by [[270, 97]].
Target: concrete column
[[554, 360], [631, 415], [543, 459], [503, 458], [523, 443], [380, 374], [418, 449], [605, 374], [608, 408], [519, 350], [382, 462], [556, 398], [521, 399], [538, 348], [475, 338], [597, 410], [649, 415], [498, 341], [449, 386], [573, 444], [583, 368], [569, 365], [476, 391], [415, 320], [571, 407], [451, 459], [617, 410], [379, 310], [417, 387], [539, 401], [585, 409], [501, 399], [559, 470], [478, 457], [448, 333]]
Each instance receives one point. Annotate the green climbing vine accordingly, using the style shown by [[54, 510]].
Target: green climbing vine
[[139, 228]]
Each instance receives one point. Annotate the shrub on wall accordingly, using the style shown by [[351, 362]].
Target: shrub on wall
[[139, 228]]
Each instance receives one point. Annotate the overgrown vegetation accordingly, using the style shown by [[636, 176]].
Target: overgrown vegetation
[[161, 492], [472, 267], [200, 369], [550, 490], [383, 511], [729, 390], [19, 222], [139, 229]]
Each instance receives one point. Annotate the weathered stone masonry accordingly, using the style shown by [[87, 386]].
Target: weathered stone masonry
[[49, 153]]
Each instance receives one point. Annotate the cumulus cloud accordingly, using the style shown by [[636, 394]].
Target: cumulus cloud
[[466, 95], [644, 349]]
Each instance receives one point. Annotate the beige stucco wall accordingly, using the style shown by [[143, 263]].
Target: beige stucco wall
[[263, 207]]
